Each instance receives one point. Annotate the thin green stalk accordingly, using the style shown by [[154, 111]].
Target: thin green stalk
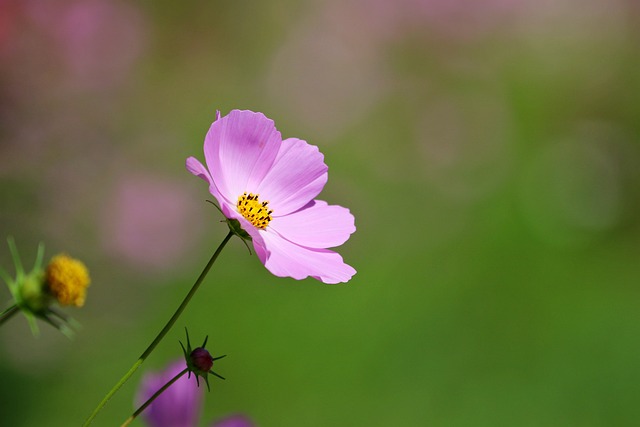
[[162, 333], [152, 398], [8, 313]]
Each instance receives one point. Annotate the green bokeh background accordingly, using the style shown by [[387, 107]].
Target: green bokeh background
[[489, 153]]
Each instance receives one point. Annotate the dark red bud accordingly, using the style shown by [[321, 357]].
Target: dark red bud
[[201, 359]]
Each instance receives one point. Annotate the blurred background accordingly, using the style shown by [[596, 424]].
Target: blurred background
[[488, 150]]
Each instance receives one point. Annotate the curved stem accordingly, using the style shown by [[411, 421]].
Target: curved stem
[[152, 398], [162, 333], [8, 313]]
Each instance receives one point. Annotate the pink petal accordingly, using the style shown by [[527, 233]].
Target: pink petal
[[240, 149], [296, 178], [286, 259], [228, 208], [196, 168], [317, 225]]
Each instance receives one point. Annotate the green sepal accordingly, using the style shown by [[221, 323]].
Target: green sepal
[[236, 228]]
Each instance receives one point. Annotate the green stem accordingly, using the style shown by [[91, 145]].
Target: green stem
[[152, 398], [162, 333], [8, 313]]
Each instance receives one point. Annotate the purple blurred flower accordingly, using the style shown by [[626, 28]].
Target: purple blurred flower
[[180, 404], [149, 221], [268, 185], [99, 40], [302, 77]]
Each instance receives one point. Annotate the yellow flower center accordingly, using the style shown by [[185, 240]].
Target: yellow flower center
[[255, 211], [67, 279]]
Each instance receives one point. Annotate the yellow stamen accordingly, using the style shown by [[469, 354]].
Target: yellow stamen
[[255, 211], [67, 279]]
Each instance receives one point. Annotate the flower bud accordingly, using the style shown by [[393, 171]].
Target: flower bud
[[201, 359], [32, 293]]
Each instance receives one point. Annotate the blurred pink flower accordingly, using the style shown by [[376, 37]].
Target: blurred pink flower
[[180, 404], [302, 78], [177, 406], [149, 221], [102, 40], [455, 19], [9, 15], [269, 186], [99, 41]]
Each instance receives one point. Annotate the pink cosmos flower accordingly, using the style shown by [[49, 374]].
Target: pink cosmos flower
[[269, 185]]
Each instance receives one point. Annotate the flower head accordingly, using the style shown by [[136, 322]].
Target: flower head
[[67, 280], [268, 185], [63, 280]]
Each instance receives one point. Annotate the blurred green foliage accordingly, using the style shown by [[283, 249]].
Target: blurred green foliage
[[489, 152]]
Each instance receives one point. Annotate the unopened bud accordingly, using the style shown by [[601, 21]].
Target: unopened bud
[[201, 359]]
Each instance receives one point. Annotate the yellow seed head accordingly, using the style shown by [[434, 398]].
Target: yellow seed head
[[67, 280]]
